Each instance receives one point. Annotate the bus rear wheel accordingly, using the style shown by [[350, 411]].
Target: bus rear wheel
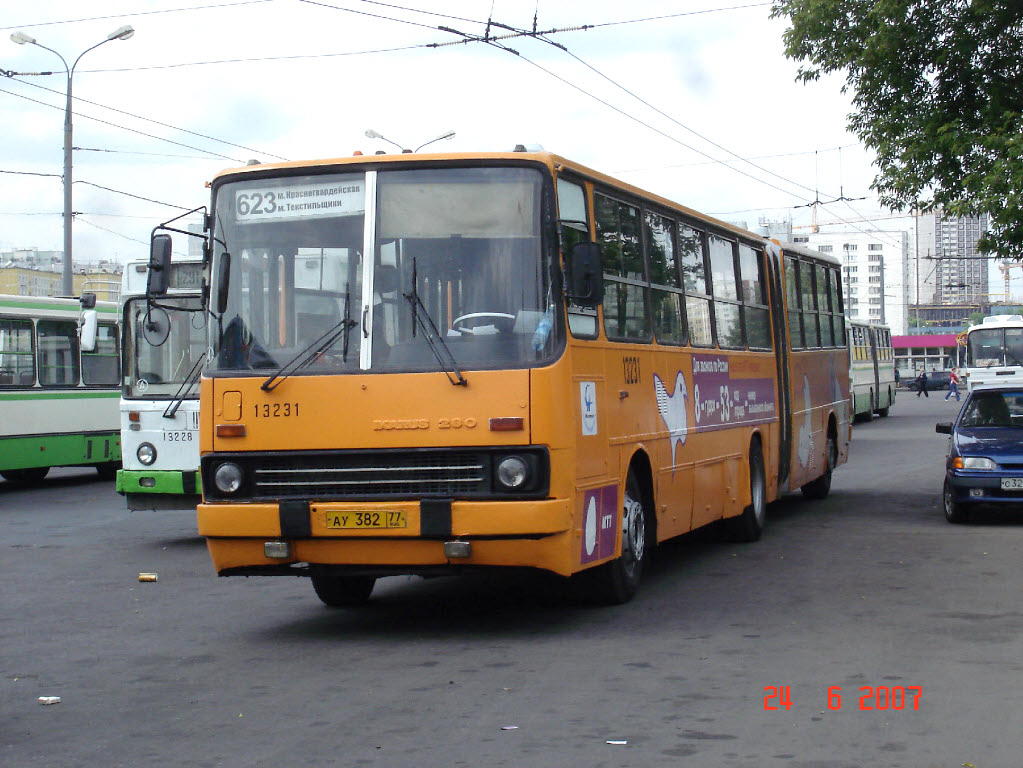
[[821, 487], [617, 582], [338, 589], [750, 524], [24, 476]]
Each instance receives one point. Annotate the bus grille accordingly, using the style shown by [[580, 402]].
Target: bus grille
[[377, 474], [420, 475]]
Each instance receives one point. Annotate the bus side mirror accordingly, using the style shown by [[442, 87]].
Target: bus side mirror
[[943, 427], [159, 265], [586, 275], [223, 281], [88, 300], [87, 340]]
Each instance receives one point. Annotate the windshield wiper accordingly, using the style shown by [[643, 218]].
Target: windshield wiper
[[433, 337], [341, 329], [185, 388]]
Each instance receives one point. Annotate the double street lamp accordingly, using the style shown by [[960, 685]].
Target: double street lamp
[[122, 33], [371, 134]]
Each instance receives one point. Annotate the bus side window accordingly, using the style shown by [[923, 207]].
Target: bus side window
[[58, 353], [725, 289], [17, 359], [823, 306], [102, 366], [753, 288], [572, 212], [808, 296], [692, 260], [837, 308], [666, 292], [625, 311], [792, 295]]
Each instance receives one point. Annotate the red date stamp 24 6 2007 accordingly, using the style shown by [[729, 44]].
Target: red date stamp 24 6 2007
[[883, 697]]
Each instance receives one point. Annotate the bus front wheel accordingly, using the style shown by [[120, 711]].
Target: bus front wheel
[[339, 590], [616, 582]]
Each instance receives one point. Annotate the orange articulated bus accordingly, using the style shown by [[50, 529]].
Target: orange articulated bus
[[424, 363]]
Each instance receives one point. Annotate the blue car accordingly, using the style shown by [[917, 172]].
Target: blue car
[[985, 452]]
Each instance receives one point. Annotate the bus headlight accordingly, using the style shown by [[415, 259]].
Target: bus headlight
[[512, 472], [228, 477], [146, 454]]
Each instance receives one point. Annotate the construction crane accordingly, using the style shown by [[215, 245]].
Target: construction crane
[[1006, 268]]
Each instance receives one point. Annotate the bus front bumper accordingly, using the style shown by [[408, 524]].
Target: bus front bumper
[[531, 534]]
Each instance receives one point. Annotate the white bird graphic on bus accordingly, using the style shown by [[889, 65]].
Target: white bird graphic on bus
[[805, 446], [673, 410]]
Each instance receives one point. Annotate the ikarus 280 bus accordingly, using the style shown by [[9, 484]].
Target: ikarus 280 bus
[[430, 363]]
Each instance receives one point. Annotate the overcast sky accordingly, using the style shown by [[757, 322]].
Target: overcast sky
[[206, 85]]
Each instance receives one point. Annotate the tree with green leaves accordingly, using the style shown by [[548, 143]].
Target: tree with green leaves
[[937, 89]]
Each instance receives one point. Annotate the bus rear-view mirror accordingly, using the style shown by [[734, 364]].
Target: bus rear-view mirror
[[159, 265], [88, 330], [223, 281]]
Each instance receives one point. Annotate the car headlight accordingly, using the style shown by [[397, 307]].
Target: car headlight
[[975, 462], [228, 477], [146, 454], [513, 472]]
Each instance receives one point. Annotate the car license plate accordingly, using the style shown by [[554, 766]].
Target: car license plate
[[369, 519], [1012, 483]]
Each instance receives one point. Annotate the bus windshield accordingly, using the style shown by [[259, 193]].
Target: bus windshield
[[994, 347], [349, 272], [163, 344]]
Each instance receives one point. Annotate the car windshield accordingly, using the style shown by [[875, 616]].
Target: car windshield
[[993, 409], [319, 284], [163, 342]]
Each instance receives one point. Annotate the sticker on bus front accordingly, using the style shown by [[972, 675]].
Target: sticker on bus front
[[588, 404], [600, 518]]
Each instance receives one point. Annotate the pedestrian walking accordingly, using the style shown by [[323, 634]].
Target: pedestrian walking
[[953, 384], [921, 384]]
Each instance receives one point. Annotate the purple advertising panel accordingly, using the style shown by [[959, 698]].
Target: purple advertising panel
[[601, 521], [729, 392]]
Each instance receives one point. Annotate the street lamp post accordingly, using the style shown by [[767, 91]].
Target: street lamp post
[[371, 134], [122, 33]]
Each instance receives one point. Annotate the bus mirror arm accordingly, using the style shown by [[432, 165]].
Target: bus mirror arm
[[586, 282]]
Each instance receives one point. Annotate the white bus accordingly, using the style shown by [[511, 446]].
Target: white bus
[[164, 351], [994, 351], [58, 386], [871, 369]]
